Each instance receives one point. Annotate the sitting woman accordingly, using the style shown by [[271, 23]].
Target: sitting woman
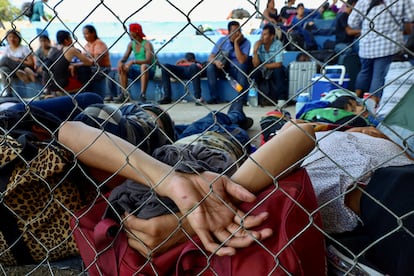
[[98, 50], [18, 60], [62, 65], [346, 111], [270, 14]]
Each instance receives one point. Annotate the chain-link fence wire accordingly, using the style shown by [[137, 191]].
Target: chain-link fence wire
[[37, 219]]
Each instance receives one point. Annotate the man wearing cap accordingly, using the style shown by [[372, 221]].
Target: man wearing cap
[[141, 66], [185, 68]]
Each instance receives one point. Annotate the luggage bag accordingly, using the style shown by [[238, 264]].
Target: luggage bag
[[297, 246], [300, 77]]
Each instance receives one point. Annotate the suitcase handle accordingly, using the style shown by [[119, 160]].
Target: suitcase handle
[[336, 67]]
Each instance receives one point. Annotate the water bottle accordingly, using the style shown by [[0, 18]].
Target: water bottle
[[252, 96], [236, 86], [158, 93], [301, 100]]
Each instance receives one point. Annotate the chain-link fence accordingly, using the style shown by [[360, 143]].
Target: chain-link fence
[[98, 177]]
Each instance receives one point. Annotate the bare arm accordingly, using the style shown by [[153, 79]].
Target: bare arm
[[85, 60], [266, 15], [273, 65], [270, 160], [199, 197], [279, 154], [241, 57], [125, 57], [352, 32], [256, 60], [30, 61]]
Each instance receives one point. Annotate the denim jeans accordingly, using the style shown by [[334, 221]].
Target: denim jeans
[[276, 86], [372, 75], [64, 107], [218, 122], [182, 72]]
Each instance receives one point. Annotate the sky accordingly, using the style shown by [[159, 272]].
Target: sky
[[149, 10]]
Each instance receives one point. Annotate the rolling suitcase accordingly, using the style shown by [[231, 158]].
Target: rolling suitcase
[[300, 77]]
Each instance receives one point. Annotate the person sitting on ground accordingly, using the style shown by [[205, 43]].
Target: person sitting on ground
[[18, 60], [230, 55], [302, 26], [61, 65], [270, 14], [142, 65], [268, 59], [345, 36], [98, 50], [45, 50], [185, 68], [287, 12]]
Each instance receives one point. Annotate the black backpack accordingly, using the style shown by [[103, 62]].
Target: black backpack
[[27, 9]]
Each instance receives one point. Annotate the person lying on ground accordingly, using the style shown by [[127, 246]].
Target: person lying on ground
[[188, 190], [336, 186], [210, 219]]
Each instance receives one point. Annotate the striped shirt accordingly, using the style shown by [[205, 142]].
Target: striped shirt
[[381, 29]]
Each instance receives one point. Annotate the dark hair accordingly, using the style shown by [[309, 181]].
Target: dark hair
[[91, 29], [301, 5], [232, 23], [16, 33], [270, 28], [189, 56], [351, 2], [268, 2], [61, 36], [342, 102], [374, 3], [44, 36], [302, 57]]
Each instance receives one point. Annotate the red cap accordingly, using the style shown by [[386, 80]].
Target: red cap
[[136, 28]]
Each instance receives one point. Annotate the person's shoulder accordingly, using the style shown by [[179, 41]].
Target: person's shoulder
[[277, 43], [25, 49], [223, 38], [101, 42]]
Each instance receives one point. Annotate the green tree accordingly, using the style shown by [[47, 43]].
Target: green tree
[[8, 12]]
